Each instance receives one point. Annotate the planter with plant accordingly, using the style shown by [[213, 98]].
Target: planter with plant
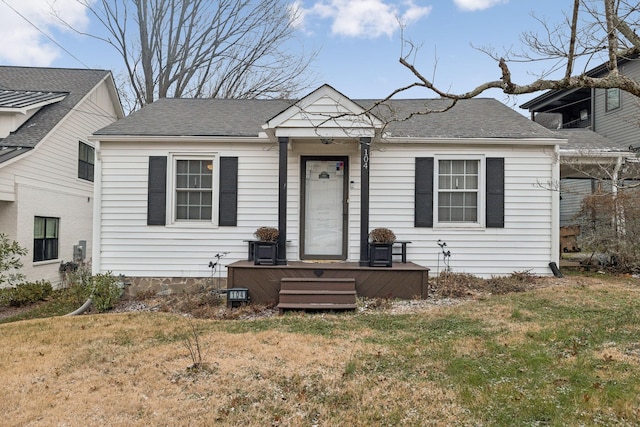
[[266, 248], [381, 247]]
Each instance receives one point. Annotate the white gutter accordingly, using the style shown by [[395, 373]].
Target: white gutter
[[177, 138], [476, 141]]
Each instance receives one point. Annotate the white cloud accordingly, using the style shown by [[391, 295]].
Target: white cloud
[[22, 43], [365, 18], [473, 5]]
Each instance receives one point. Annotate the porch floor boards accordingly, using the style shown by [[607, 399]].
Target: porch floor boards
[[401, 280]]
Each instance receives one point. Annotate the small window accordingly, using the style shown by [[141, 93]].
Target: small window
[[458, 187], [45, 238], [194, 189], [86, 154], [612, 96]]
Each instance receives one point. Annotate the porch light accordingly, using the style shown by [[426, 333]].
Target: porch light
[[237, 297]]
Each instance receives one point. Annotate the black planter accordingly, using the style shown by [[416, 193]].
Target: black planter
[[265, 253], [380, 254]]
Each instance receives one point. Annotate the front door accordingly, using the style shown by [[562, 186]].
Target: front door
[[324, 207]]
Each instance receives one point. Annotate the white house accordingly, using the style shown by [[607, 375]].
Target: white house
[[47, 160], [185, 179]]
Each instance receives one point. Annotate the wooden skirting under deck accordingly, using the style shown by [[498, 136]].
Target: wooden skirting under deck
[[403, 281]]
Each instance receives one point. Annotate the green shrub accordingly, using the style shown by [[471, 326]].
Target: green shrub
[[10, 253], [29, 293], [4, 296], [106, 290]]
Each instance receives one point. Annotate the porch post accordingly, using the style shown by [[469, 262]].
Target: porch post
[[365, 151], [281, 256]]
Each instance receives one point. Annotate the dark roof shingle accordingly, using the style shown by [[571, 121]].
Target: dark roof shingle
[[76, 82], [472, 118]]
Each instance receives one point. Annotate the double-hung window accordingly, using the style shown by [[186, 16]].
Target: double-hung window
[[193, 189], [86, 154], [45, 238], [612, 98], [458, 191]]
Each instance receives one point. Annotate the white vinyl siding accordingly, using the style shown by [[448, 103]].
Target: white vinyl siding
[[184, 248], [128, 246], [525, 243]]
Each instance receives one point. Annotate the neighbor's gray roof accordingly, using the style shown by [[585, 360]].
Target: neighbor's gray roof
[[473, 118], [77, 83], [586, 139]]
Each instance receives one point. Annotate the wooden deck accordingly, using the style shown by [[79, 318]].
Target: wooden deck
[[401, 280]]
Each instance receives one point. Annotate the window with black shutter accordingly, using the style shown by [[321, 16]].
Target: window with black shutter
[[193, 186], [448, 192]]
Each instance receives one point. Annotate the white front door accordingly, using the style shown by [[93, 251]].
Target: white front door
[[324, 207]]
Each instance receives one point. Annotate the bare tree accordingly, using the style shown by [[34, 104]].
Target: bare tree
[[594, 28], [203, 48]]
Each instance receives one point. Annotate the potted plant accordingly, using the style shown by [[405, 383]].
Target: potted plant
[[266, 248], [381, 247]]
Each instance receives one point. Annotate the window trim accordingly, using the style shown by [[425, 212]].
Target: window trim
[[607, 96], [481, 191], [80, 161], [44, 239], [172, 189]]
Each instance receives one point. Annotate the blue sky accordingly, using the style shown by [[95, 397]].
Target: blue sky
[[358, 41]]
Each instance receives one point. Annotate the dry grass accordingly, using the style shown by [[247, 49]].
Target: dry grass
[[131, 369], [486, 362]]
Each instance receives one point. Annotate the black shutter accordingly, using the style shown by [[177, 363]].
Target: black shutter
[[157, 191], [495, 192], [228, 214], [424, 192]]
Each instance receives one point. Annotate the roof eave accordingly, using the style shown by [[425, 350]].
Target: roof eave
[[102, 138], [476, 141]]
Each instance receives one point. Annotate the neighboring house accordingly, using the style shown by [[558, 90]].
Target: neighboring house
[[602, 127], [185, 179], [47, 161], [611, 113]]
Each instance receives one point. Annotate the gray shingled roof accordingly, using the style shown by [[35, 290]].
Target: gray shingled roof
[[469, 118], [473, 118], [77, 83], [198, 117], [585, 139]]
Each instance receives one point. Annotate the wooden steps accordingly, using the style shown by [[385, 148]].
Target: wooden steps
[[317, 294]]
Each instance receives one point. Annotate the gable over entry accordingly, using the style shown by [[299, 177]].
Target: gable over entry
[[324, 115]]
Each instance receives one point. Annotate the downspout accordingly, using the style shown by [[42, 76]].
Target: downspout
[[82, 308], [555, 215], [365, 153]]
